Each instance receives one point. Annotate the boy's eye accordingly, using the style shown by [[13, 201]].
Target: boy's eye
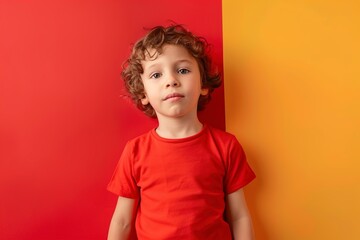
[[155, 75], [183, 71]]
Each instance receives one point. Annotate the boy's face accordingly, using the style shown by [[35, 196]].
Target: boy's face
[[172, 82]]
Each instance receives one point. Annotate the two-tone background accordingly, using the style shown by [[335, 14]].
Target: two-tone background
[[291, 95]]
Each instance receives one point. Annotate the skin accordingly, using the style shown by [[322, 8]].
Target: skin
[[238, 216], [122, 222], [172, 85], [174, 71]]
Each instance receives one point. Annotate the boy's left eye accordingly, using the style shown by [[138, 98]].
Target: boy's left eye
[[183, 71], [155, 75]]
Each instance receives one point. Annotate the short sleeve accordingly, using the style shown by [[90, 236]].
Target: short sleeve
[[238, 170], [123, 182]]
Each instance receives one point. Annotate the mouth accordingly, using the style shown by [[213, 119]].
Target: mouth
[[173, 96]]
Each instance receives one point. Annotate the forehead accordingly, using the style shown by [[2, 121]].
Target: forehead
[[168, 52]]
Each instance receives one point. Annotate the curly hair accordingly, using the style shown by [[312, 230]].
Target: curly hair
[[156, 38]]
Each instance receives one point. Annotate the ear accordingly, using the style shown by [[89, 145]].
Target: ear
[[145, 100], [204, 91]]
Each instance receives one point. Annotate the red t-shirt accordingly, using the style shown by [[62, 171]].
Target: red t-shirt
[[181, 183]]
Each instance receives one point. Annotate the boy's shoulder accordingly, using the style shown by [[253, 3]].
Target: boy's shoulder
[[222, 134], [143, 137]]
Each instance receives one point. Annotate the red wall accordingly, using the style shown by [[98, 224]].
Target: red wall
[[63, 123]]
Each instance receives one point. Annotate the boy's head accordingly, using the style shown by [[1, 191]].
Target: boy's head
[[156, 39]]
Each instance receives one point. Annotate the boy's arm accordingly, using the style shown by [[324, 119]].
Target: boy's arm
[[238, 216], [123, 218]]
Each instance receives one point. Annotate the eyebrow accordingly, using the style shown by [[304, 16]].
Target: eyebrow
[[184, 60]]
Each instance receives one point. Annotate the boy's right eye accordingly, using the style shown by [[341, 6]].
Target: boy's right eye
[[155, 75]]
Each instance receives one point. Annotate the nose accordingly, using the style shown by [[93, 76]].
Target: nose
[[172, 81]]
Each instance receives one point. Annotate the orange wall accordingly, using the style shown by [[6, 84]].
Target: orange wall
[[292, 83]]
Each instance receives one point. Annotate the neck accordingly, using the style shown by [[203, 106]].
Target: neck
[[178, 127]]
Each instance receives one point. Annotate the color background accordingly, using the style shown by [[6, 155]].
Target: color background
[[64, 118], [291, 73], [292, 83]]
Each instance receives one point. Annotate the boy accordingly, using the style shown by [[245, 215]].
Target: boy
[[182, 180]]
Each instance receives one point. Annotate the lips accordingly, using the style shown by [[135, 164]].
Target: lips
[[173, 96]]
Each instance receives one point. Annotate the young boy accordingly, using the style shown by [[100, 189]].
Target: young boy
[[183, 179]]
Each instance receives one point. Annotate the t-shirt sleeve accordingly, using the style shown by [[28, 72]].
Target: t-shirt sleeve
[[123, 182], [238, 170]]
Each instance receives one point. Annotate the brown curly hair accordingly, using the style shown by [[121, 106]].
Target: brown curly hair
[[156, 38]]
